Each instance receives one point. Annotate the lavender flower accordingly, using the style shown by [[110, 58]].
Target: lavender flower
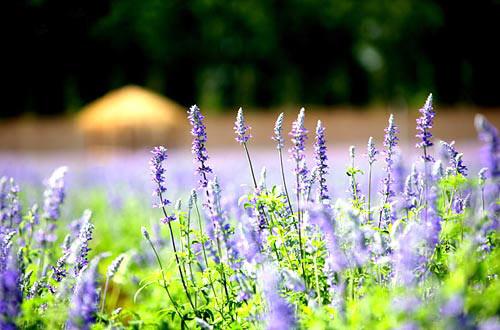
[[356, 195], [491, 151], [222, 229], [10, 296], [59, 271], [482, 176], [322, 217], [198, 131], [82, 251], [84, 303], [390, 143], [437, 170], [113, 268], [10, 208], [240, 128], [424, 124], [54, 194], [371, 151], [455, 158], [321, 168], [278, 132], [158, 172], [280, 314], [297, 152]]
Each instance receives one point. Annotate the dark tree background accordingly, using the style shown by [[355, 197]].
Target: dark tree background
[[62, 54]]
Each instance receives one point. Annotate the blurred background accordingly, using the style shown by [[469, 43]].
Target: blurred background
[[122, 72]]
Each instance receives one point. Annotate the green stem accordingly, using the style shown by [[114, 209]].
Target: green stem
[[165, 286]]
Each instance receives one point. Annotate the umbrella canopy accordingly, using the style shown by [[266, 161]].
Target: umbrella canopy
[[131, 116]]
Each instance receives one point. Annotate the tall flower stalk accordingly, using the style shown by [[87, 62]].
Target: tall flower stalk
[[371, 154], [321, 168], [297, 154], [158, 175], [424, 124], [280, 144], [481, 181], [390, 143], [242, 136]]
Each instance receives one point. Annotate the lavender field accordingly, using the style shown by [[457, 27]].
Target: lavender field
[[304, 234]]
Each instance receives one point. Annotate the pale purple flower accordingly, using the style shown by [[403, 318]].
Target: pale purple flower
[[297, 152], [280, 314], [54, 194], [158, 172], [240, 128], [222, 228], [491, 150], [482, 176], [371, 151], [278, 132], [387, 192], [198, 131], [158, 175], [455, 158], [10, 296], [10, 207], [84, 302], [322, 216], [321, 168], [424, 124], [353, 185], [80, 254], [115, 264]]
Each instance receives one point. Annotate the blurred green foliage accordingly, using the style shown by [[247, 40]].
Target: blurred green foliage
[[252, 52]]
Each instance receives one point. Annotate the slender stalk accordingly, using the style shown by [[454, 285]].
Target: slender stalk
[[425, 183], [318, 291], [259, 208], [250, 164], [205, 252], [482, 198], [104, 294], [299, 229], [369, 192], [165, 286], [284, 181], [190, 253], [223, 275], [386, 198], [179, 266]]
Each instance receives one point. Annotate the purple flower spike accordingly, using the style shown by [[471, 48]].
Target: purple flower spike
[[198, 131], [482, 176], [280, 313], [424, 124], [278, 132], [491, 151], [81, 257], [321, 168], [455, 158], [10, 296], [371, 151], [158, 173], [387, 192], [240, 128], [84, 303], [297, 152], [54, 194]]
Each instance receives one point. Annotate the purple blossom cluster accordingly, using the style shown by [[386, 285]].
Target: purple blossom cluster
[[321, 168], [297, 152], [241, 128], [424, 124], [198, 131]]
